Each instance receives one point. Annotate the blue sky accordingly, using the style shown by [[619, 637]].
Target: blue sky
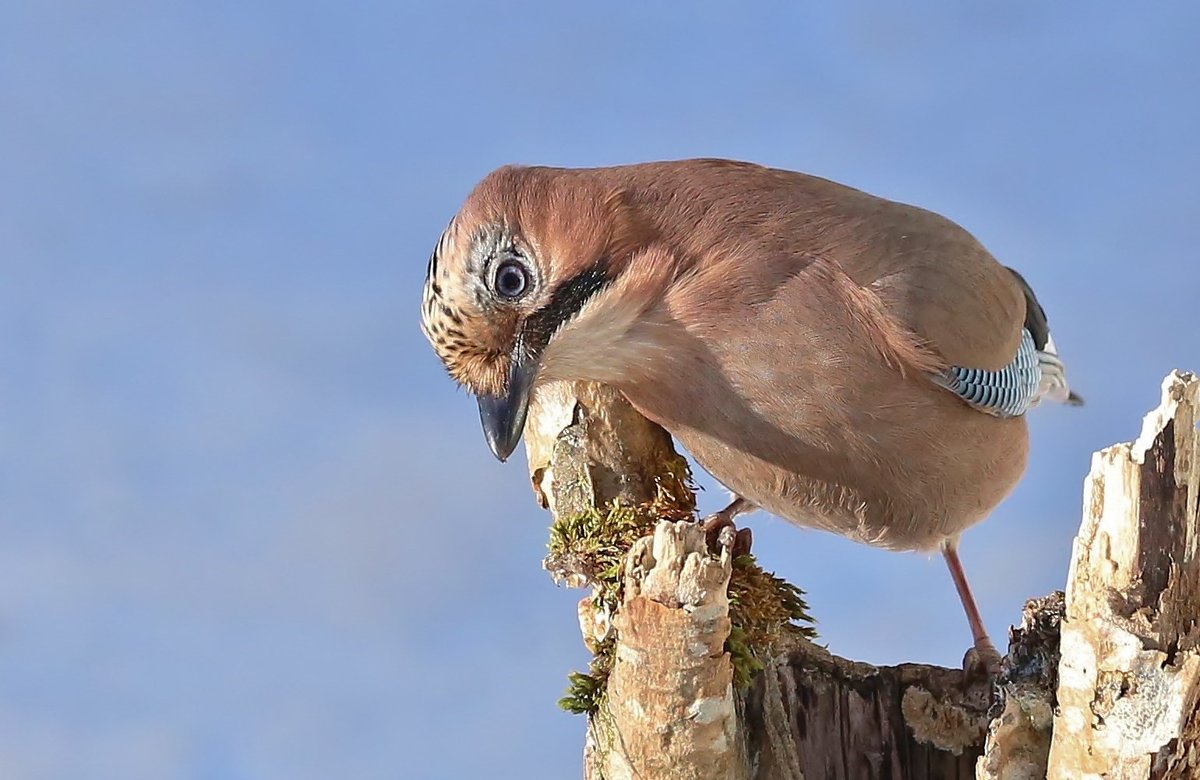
[[249, 529]]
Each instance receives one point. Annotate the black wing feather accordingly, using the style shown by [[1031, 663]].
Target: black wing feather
[[1035, 315]]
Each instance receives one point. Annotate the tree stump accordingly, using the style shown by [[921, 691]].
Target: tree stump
[[1104, 683]]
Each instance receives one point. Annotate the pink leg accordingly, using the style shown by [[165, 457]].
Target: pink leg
[[983, 643]]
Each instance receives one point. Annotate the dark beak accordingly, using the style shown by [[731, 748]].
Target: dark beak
[[503, 416]]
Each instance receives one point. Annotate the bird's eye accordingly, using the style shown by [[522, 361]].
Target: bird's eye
[[511, 281]]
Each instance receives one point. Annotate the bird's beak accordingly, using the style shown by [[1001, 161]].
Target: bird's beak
[[503, 416]]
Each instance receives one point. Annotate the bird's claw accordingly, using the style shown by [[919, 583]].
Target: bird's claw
[[715, 524], [981, 662]]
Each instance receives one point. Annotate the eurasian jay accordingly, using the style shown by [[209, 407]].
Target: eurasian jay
[[846, 362]]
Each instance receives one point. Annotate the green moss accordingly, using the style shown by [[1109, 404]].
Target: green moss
[[585, 690], [676, 488], [594, 544], [762, 607]]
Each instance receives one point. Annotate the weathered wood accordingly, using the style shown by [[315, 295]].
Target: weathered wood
[[1018, 741], [812, 714], [1122, 702], [587, 446], [670, 709], [1130, 673]]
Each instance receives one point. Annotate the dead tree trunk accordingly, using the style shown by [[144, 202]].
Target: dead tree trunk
[[703, 669]]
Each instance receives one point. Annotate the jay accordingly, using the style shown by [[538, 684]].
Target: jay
[[846, 362]]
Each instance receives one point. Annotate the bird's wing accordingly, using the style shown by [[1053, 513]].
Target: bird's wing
[[1008, 392], [936, 280], [980, 317]]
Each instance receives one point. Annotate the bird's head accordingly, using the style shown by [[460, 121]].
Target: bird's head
[[531, 256]]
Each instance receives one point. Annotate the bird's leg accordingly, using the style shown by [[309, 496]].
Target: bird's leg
[[715, 523], [985, 651]]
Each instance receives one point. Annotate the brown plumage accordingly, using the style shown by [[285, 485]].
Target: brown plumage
[[817, 349]]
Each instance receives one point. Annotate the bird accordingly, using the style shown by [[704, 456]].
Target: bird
[[846, 362]]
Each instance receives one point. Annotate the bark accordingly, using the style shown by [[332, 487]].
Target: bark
[[1103, 683]]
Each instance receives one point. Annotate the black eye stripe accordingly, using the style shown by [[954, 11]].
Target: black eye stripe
[[564, 304]]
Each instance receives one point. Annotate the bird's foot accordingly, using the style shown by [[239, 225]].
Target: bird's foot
[[716, 523], [982, 662]]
